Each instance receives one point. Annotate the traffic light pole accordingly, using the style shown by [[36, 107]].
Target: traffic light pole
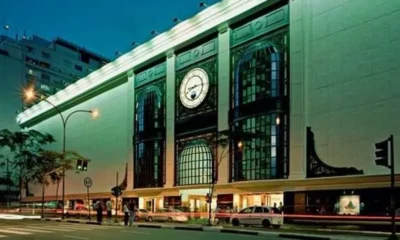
[[88, 197], [393, 191]]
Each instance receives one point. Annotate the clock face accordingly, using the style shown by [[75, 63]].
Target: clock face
[[194, 88]]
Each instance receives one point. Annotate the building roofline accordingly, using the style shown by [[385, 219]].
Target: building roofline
[[78, 48], [202, 23]]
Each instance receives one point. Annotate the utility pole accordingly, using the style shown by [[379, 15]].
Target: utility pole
[[8, 183], [393, 190], [42, 211], [116, 201]]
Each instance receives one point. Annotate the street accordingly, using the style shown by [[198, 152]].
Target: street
[[41, 230]]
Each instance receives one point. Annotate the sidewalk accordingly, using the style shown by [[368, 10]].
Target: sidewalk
[[328, 234]]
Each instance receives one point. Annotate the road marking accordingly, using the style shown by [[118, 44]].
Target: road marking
[[69, 227], [74, 237], [30, 230], [73, 228], [135, 232], [14, 232], [52, 228]]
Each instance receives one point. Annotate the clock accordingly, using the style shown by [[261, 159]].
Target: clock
[[194, 88]]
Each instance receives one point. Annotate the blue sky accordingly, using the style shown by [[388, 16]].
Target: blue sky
[[103, 26]]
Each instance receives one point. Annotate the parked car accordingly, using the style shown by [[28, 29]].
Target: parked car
[[258, 215], [141, 215], [168, 215]]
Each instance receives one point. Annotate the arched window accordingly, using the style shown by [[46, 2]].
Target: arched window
[[258, 88], [149, 112], [195, 164], [257, 74], [149, 138]]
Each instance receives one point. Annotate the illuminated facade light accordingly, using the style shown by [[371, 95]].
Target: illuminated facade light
[[208, 19]]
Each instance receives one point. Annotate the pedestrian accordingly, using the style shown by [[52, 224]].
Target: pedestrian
[[109, 209], [280, 207], [99, 209], [126, 214], [132, 210]]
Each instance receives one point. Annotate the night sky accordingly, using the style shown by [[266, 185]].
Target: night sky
[[103, 26]]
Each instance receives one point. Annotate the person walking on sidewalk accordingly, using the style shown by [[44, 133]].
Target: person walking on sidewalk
[[109, 209], [99, 209], [126, 214], [131, 213]]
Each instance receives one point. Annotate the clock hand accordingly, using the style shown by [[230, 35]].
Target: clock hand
[[191, 88]]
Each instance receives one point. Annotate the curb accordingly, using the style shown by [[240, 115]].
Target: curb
[[251, 233], [301, 237]]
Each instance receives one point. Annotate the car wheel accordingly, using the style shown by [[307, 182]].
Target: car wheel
[[276, 226], [170, 220], [235, 222], [150, 219], [265, 223]]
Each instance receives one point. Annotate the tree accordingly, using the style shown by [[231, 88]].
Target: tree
[[224, 141], [50, 168], [25, 147]]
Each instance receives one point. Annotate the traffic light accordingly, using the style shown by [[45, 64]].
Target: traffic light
[[84, 165], [382, 153], [79, 165], [116, 191]]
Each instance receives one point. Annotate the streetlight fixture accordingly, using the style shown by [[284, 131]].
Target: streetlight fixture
[[31, 95]]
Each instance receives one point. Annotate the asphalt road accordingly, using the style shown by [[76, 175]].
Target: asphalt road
[[40, 230]]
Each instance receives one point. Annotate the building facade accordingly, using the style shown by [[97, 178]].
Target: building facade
[[48, 66], [303, 88]]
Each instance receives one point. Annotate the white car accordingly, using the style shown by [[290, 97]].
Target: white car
[[168, 215], [258, 215]]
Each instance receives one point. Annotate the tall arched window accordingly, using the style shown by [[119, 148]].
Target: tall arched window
[[257, 74], [259, 93], [149, 138], [195, 164]]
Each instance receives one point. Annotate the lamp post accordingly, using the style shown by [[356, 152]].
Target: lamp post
[[31, 95]]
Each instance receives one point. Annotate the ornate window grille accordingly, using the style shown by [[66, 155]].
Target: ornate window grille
[[149, 161], [195, 160], [260, 106]]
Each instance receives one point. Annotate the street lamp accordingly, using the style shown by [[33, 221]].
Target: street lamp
[[31, 95]]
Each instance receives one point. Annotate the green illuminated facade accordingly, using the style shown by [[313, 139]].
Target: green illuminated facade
[[296, 75]]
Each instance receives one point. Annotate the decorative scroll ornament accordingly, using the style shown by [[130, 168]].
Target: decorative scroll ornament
[[317, 168], [124, 183]]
